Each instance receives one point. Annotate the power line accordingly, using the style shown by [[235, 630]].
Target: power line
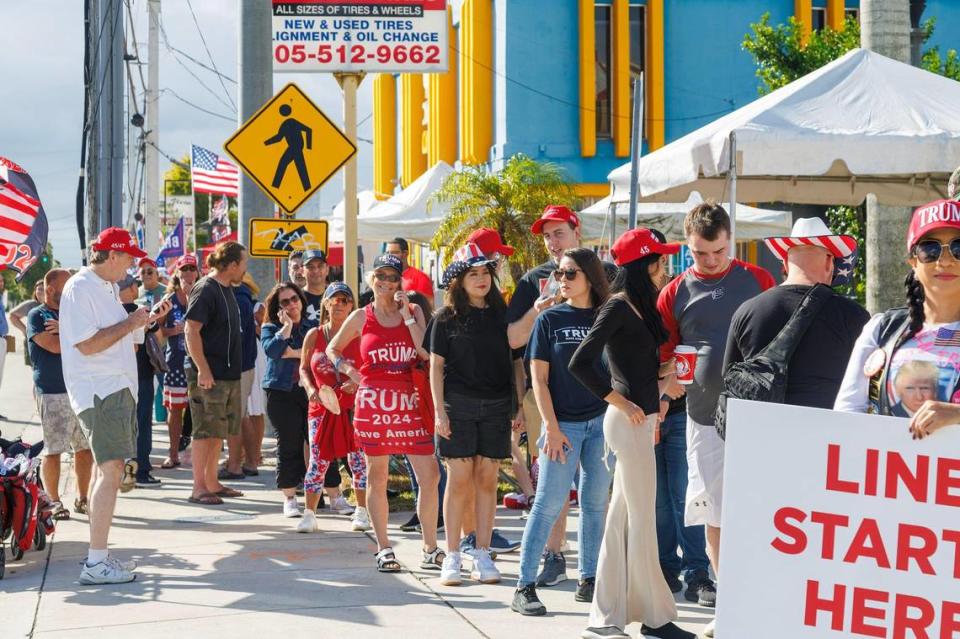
[[169, 157], [198, 107], [216, 95], [189, 57], [209, 55]]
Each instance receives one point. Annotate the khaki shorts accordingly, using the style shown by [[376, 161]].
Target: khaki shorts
[[531, 415], [215, 412], [246, 387], [61, 428], [111, 426]]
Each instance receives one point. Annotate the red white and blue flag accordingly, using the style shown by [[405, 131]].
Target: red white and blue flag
[[219, 220], [212, 174], [23, 223], [173, 245], [947, 337]]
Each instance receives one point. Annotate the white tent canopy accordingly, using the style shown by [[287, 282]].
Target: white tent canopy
[[752, 223], [408, 214], [366, 200], [862, 124]]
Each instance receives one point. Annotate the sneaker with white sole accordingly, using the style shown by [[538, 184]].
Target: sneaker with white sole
[[291, 508], [341, 506], [361, 520], [129, 480], [105, 572], [484, 570], [709, 630], [129, 565], [450, 571], [308, 523]]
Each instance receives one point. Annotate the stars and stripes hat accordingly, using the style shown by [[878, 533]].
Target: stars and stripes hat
[[940, 214], [811, 231], [466, 257]]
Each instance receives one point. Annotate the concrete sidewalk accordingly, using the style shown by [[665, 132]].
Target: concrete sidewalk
[[240, 570]]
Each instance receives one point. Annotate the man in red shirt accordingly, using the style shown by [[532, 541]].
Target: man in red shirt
[[413, 278]]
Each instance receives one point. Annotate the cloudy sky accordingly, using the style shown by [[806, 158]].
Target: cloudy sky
[[41, 99]]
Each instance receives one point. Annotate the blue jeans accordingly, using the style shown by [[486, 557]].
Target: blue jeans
[[144, 425], [553, 490], [671, 455]]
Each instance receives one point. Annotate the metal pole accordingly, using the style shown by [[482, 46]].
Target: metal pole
[[349, 83], [732, 173], [117, 90], [151, 222], [255, 61], [635, 148]]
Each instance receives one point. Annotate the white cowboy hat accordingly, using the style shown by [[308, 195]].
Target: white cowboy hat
[[811, 231]]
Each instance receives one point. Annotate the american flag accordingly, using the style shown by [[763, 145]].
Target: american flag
[[219, 220], [947, 337], [23, 223], [213, 174]]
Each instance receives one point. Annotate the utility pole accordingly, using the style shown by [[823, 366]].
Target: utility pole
[[151, 222], [349, 83], [255, 60], [885, 29], [108, 114]]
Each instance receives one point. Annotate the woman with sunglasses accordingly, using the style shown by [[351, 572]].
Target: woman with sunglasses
[[282, 338], [175, 398], [922, 335], [629, 584], [331, 434], [387, 417], [572, 436]]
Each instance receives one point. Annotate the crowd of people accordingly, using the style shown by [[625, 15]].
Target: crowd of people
[[583, 358]]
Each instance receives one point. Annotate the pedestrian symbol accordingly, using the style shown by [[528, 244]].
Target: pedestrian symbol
[[290, 148]]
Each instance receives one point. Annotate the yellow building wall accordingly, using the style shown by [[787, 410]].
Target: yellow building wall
[[442, 101], [384, 134], [476, 81], [414, 160]]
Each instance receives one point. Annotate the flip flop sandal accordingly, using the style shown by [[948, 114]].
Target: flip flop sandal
[[228, 492], [223, 473], [80, 505], [249, 472], [168, 464], [387, 561], [207, 499], [59, 512]]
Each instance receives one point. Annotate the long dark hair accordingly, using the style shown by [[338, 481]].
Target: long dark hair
[[915, 299], [592, 268], [273, 301], [457, 302], [633, 281]]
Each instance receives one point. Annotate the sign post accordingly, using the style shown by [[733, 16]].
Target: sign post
[[351, 268]]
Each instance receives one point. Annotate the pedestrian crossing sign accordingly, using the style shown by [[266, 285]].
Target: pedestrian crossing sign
[[290, 148], [273, 237]]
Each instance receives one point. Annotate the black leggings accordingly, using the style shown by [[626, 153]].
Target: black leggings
[[287, 411]]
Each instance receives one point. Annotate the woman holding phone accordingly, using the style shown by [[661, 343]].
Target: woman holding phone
[[282, 338], [185, 274], [387, 416]]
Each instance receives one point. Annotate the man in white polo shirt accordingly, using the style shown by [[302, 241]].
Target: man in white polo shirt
[[100, 373]]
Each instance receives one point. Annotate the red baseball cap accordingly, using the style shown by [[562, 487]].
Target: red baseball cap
[[185, 260], [146, 261], [637, 243], [941, 214], [117, 239], [489, 242], [555, 213]]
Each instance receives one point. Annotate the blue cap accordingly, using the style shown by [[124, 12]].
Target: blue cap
[[337, 287], [313, 254], [384, 261]]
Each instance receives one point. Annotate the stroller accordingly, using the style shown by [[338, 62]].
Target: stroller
[[25, 510]]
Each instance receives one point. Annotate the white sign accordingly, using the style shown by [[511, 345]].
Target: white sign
[[405, 36], [838, 525]]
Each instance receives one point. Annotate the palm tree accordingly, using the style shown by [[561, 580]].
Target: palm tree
[[509, 201]]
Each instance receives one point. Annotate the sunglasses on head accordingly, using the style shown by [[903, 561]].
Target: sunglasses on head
[[929, 251], [570, 274], [387, 277], [287, 301]]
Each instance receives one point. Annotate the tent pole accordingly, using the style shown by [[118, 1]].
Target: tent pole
[[732, 174], [635, 147], [613, 223]]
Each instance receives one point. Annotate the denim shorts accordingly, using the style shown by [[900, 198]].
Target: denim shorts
[[478, 427]]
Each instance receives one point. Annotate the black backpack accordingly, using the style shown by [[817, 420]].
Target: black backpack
[[763, 377]]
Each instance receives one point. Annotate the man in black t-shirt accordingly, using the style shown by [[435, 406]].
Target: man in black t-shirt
[[212, 336], [316, 270], [811, 255]]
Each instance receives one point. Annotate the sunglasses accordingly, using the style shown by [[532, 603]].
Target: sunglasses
[[147, 271], [569, 274], [187, 269], [287, 301], [929, 251], [384, 277], [340, 299]]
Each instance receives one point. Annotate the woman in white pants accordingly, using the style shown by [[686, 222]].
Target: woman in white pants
[[629, 584]]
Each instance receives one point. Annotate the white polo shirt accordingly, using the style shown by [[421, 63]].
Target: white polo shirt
[[88, 304]]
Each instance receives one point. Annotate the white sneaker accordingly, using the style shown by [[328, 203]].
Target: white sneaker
[[130, 565], [291, 508], [708, 631], [309, 523], [361, 519], [450, 571], [105, 572], [484, 570], [341, 506]]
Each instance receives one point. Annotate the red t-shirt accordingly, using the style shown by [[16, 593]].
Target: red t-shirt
[[416, 280]]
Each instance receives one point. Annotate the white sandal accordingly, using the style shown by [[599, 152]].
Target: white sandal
[[433, 560], [387, 561]]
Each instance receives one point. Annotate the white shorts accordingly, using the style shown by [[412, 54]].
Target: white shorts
[[256, 403], [704, 475]]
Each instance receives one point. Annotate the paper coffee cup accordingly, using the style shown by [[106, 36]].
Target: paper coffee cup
[[686, 357]]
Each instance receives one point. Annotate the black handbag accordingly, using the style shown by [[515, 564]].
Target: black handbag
[[763, 377], [155, 353]]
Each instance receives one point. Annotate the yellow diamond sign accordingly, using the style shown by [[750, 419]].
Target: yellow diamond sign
[[290, 148]]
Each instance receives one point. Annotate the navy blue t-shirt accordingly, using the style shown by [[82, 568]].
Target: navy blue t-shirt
[[556, 335], [47, 368]]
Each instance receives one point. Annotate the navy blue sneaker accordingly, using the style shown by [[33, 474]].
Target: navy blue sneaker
[[501, 544], [554, 569]]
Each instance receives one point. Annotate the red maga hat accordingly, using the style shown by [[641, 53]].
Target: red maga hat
[[490, 242], [637, 243], [185, 260], [941, 214], [146, 261], [555, 213], [117, 239]]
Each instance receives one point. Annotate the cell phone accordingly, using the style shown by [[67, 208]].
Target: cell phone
[[156, 307]]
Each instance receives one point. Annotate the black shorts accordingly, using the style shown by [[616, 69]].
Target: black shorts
[[478, 427]]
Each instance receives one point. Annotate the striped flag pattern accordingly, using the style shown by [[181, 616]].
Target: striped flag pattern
[[18, 212], [212, 174], [23, 223]]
